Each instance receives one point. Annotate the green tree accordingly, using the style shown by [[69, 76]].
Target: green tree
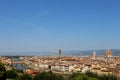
[[73, 75], [107, 77], [55, 76], [2, 72], [25, 77], [48, 76], [92, 78], [80, 77], [42, 76], [59, 77], [11, 74], [18, 71], [2, 67], [91, 74]]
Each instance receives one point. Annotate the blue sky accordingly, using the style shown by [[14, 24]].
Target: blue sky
[[49, 25]]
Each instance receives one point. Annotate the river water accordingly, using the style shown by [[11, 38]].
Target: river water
[[18, 66]]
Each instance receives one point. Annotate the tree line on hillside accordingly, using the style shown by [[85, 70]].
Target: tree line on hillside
[[15, 75]]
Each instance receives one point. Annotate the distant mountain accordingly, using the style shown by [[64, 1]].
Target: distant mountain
[[48, 53], [115, 52]]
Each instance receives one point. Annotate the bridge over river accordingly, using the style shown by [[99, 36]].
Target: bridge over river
[[18, 64]]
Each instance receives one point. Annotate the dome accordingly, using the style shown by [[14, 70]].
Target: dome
[[108, 53]]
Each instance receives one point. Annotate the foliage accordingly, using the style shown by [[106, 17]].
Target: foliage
[[59, 77], [25, 77], [2, 72], [91, 76], [107, 77], [73, 75], [83, 77], [11, 74], [80, 77], [18, 71], [2, 67], [48, 76], [43, 76]]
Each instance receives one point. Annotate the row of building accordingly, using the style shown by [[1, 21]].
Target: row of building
[[67, 64]]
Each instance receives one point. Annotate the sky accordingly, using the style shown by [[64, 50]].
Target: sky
[[49, 25]]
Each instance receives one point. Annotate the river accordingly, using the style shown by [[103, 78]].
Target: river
[[18, 66]]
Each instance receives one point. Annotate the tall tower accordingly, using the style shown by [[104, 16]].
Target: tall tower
[[94, 55], [108, 53], [59, 55]]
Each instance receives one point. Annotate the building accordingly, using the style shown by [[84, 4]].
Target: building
[[116, 71], [94, 56], [108, 53], [59, 55]]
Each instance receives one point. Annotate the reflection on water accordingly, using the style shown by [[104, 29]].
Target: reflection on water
[[18, 66]]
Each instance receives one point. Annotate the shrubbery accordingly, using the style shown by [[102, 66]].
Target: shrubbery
[[91, 76], [2, 72]]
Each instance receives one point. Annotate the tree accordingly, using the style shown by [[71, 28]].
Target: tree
[[91, 74], [2, 67], [56, 76], [80, 77], [92, 78], [2, 72], [18, 71], [107, 77], [42, 76], [48, 76], [11, 74], [59, 77], [73, 75], [25, 77]]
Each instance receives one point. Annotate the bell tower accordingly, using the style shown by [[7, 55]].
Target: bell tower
[[59, 55], [94, 56]]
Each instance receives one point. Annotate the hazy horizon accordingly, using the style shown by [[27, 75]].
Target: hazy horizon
[[115, 52]]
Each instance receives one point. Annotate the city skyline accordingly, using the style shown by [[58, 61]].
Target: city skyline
[[50, 25]]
